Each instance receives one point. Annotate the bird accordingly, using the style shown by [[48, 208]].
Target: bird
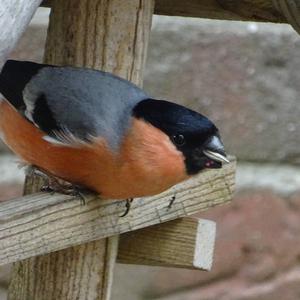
[[101, 132]]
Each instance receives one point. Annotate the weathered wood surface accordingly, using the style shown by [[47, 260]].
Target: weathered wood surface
[[42, 223], [15, 15], [182, 243], [110, 35], [246, 10], [80, 264], [291, 10]]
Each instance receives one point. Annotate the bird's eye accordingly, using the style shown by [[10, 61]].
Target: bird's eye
[[178, 139]]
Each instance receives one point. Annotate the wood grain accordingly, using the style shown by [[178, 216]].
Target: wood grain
[[77, 266], [42, 223], [111, 35], [245, 10], [291, 10], [99, 34], [182, 243]]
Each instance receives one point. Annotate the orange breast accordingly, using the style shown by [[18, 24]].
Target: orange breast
[[146, 164]]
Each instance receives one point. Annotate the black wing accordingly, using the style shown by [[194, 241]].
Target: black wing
[[71, 104]]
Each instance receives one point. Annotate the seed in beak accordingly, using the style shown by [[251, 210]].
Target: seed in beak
[[216, 156]]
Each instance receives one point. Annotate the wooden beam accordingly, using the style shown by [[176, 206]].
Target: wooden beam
[[291, 10], [111, 35], [42, 223], [245, 10], [182, 243], [15, 16]]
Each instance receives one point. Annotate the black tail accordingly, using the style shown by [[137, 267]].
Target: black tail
[[13, 79]]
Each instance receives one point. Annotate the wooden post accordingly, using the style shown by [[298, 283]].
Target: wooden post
[[110, 35]]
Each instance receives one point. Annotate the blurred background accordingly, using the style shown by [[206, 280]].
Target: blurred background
[[245, 77]]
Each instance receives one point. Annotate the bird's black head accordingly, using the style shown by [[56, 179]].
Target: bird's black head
[[192, 133]]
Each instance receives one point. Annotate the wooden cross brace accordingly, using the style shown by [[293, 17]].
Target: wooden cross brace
[[277, 11], [64, 250]]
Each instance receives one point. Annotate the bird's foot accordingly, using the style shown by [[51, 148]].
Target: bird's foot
[[54, 185], [172, 202], [127, 205]]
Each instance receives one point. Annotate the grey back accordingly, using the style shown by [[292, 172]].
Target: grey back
[[84, 102]]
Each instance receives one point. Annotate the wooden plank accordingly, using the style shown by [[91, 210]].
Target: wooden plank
[[15, 16], [291, 10], [42, 223], [110, 35], [245, 10], [182, 243]]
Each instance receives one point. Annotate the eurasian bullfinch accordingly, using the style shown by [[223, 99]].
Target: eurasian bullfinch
[[102, 132]]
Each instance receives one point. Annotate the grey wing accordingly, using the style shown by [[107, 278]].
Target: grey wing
[[74, 105]]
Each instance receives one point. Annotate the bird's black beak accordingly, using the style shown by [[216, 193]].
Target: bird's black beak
[[214, 149]]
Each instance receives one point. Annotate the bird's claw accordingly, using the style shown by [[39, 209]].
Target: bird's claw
[[127, 205], [66, 189], [171, 202], [47, 189], [54, 185]]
